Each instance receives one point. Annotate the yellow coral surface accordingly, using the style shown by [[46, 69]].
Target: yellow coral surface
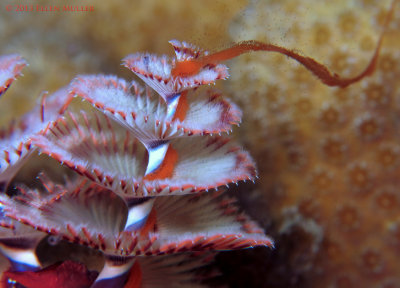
[[329, 158]]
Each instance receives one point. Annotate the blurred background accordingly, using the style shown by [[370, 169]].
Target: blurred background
[[328, 158]]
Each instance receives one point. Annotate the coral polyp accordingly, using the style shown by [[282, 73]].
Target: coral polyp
[[348, 136]]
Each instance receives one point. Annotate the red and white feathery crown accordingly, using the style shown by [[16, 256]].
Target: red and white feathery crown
[[132, 149]]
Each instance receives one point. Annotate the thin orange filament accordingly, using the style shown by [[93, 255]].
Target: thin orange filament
[[193, 66]]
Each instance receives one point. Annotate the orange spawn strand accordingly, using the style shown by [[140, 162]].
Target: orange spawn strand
[[193, 66]]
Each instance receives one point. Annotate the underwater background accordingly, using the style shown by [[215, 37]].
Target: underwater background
[[328, 158]]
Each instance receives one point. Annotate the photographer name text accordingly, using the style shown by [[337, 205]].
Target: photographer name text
[[48, 8]]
